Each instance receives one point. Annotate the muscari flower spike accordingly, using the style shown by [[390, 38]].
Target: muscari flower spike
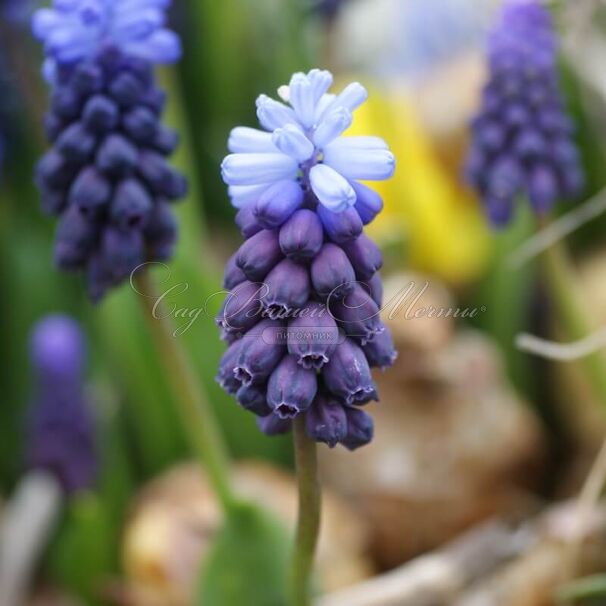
[[302, 309], [61, 430], [106, 176], [522, 139]]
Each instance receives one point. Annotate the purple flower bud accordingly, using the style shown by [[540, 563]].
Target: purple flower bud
[[254, 399], [126, 89], [242, 308], [54, 171], [278, 203], [76, 237], [60, 430], [368, 202], [326, 420], [499, 211], [365, 256], [332, 275], [291, 388], [57, 348], [542, 188], [161, 179], [530, 145], [226, 376], [288, 288], [347, 374], [100, 114], [131, 205], [247, 222], [121, 252], [90, 190], [360, 429], [273, 425], [259, 254], [75, 143], [301, 236], [374, 287], [313, 336], [260, 352], [165, 140], [161, 232], [233, 274], [140, 124], [358, 315], [380, 352], [116, 156], [341, 227], [66, 103]]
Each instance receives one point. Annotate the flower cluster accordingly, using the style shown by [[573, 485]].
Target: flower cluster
[[77, 30], [523, 138], [106, 175], [61, 430], [302, 313]]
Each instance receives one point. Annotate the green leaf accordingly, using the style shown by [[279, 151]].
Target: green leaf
[[247, 563], [583, 589], [82, 555]]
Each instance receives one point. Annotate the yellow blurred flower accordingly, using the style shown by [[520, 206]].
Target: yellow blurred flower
[[438, 224]]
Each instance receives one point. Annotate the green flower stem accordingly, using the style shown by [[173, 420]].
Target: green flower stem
[[194, 407], [308, 523], [572, 314]]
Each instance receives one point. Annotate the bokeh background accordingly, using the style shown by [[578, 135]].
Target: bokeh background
[[469, 428]]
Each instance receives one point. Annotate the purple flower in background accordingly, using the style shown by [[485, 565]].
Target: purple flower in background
[[299, 318], [328, 8], [106, 176], [76, 30], [61, 429], [522, 139]]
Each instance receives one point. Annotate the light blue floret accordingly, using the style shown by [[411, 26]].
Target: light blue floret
[[303, 142], [73, 30]]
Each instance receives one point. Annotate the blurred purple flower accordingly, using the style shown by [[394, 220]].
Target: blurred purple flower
[[77, 30], [61, 429], [106, 175], [522, 139]]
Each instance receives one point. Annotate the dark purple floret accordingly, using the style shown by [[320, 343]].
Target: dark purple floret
[[60, 427], [259, 254], [288, 287], [313, 336], [242, 308], [291, 388], [341, 227], [358, 315], [326, 420], [278, 203], [260, 352], [306, 327], [360, 428], [365, 257], [380, 352], [254, 399], [332, 274], [273, 425], [301, 237], [522, 143], [247, 222], [347, 375], [107, 171]]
